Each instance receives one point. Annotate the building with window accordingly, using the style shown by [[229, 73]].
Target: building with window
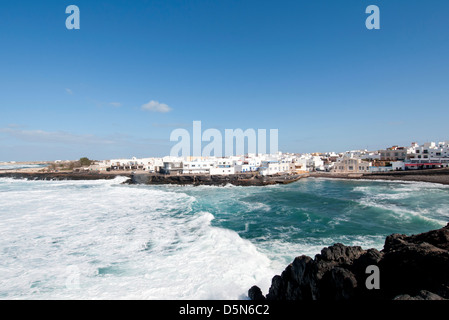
[[394, 153], [197, 167], [429, 155], [351, 165]]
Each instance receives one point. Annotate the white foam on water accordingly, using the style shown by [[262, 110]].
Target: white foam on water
[[417, 183], [256, 206], [283, 252], [103, 240], [21, 166], [384, 197]]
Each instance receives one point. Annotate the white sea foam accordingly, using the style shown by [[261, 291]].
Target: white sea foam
[[103, 240], [385, 197], [257, 206], [402, 213], [21, 166], [283, 252], [393, 182]]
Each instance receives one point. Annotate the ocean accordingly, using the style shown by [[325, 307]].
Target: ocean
[[21, 166], [107, 240]]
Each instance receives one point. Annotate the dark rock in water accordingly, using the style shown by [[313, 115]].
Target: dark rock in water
[[410, 268], [238, 179], [422, 295], [59, 176], [255, 294], [415, 263]]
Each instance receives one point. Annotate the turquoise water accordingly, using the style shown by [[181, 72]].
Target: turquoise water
[[106, 240], [312, 213]]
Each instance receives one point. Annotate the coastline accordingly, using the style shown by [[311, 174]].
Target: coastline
[[214, 180], [157, 179], [34, 175], [440, 176], [331, 267]]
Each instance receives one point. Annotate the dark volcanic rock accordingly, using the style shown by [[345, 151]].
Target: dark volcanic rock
[[61, 175], [415, 263], [255, 294], [422, 295], [238, 179], [160, 179], [411, 268]]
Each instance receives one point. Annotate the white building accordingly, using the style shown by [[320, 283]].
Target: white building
[[246, 167], [429, 155], [222, 170], [269, 168], [198, 167], [318, 163], [398, 165], [371, 156], [223, 166], [358, 154]]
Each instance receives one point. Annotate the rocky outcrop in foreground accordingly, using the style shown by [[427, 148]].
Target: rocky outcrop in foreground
[[410, 268]]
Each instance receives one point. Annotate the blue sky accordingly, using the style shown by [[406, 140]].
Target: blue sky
[[310, 69]]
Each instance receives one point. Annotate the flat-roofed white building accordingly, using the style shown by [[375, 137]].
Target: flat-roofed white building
[[197, 167], [245, 168], [351, 165], [429, 155], [269, 168], [222, 170]]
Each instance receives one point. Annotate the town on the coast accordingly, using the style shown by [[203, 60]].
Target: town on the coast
[[430, 155]]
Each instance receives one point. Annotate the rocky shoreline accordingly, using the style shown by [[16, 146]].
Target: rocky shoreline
[[410, 268], [159, 179], [214, 180], [440, 176], [60, 175]]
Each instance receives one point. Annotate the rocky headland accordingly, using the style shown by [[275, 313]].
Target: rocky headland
[[410, 268]]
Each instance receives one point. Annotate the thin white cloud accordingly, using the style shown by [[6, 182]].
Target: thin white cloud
[[68, 139], [115, 104], [172, 125], [69, 91], [62, 137], [155, 106], [43, 144]]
